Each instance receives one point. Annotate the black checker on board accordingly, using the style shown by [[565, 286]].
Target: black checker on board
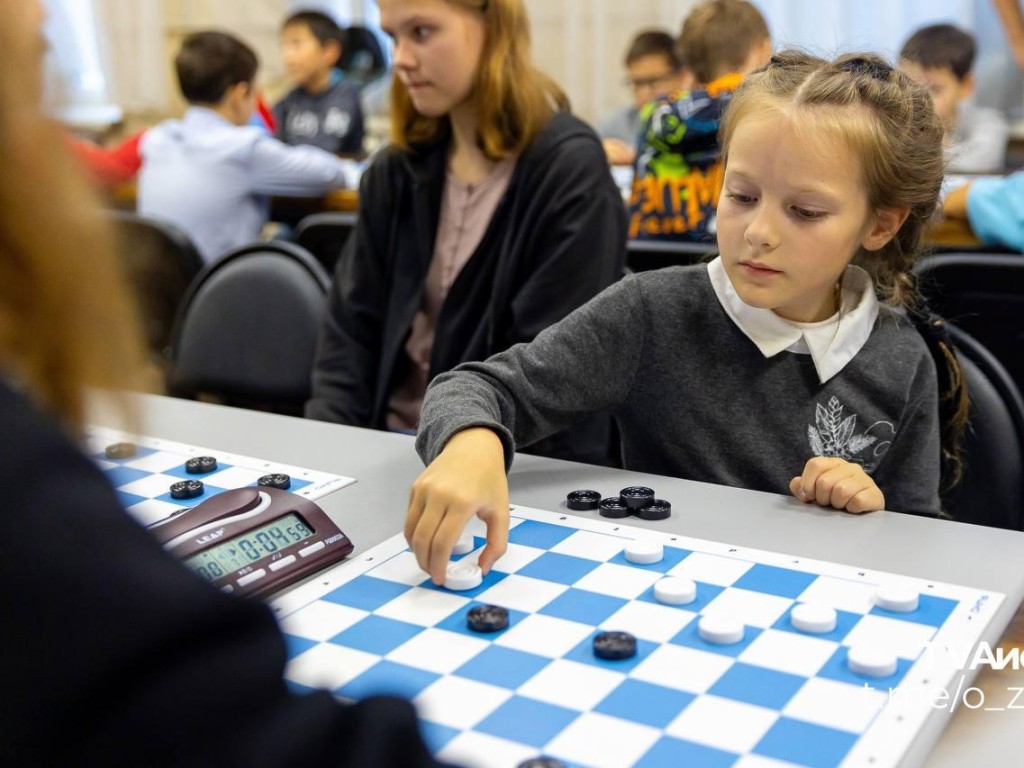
[[277, 480], [187, 489], [200, 465]]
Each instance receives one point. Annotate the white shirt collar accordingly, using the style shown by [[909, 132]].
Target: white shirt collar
[[831, 343]]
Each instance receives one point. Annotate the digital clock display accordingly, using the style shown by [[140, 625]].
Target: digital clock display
[[251, 546]]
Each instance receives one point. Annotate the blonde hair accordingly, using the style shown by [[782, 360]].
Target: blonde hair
[[65, 319], [514, 100], [719, 35], [889, 124]]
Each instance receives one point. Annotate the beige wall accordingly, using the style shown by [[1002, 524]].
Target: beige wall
[[579, 42]]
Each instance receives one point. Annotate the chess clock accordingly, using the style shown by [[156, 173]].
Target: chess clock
[[254, 541]]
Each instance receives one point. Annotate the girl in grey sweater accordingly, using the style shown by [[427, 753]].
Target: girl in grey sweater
[[785, 365]]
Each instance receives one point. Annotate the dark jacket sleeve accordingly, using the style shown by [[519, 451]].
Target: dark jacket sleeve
[[577, 243], [117, 655], [348, 351], [352, 143]]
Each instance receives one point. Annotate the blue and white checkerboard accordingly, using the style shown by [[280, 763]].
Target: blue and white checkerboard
[[143, 482], [778, 697]]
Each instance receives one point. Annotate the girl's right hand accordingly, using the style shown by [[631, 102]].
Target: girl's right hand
[[467, 478]]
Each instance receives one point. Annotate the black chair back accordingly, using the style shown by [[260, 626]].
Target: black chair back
[[982, 294], [992, 489], [247, 329], [159, 262], [324, 235], [362, 55], [644, 255]]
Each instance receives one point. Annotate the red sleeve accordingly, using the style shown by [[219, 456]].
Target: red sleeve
[[109, 167]]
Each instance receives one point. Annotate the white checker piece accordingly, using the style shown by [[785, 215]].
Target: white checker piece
[[723, 723], [571, 685], [712, 719], [836, 705], [596, 739], [321, 620], [648, 621], [712, 569], [437, 650], [788, 652]]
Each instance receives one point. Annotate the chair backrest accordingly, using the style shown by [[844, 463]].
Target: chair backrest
[[159, 262], [983, 294], [362, 55], [992, 489], [643, 255], [247, 329], [324, 235]]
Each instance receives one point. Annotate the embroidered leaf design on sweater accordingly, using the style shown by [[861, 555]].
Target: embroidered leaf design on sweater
[[834, 434]]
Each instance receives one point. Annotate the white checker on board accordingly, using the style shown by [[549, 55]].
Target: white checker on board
[[778, 696]]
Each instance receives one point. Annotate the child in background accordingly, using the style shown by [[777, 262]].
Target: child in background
[[212, 173], [784, 365], [940, 58], [118, 655], [992, 208], [678, 172], [653, 67], [323, 109], [491, 215]]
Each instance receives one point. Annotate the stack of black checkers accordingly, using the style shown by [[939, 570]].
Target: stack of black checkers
[[192, 489], [636, 500]]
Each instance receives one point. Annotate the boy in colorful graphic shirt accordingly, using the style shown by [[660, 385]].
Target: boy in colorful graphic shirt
[[678, 173]]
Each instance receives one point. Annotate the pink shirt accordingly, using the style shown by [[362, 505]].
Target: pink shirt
[[466, 210]]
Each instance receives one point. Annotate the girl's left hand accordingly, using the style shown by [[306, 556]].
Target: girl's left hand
[[837, 483]]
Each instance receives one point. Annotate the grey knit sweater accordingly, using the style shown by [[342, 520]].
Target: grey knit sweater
[[695, 398]]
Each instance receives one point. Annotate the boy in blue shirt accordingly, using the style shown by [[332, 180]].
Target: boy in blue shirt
[[211, 173], [323, 109]]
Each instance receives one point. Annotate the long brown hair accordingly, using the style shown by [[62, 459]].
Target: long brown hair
[[888, 122], [514, 100], [65, 319]]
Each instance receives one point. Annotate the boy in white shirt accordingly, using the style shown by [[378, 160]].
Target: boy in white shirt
[[211, 173], [940, 58]]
